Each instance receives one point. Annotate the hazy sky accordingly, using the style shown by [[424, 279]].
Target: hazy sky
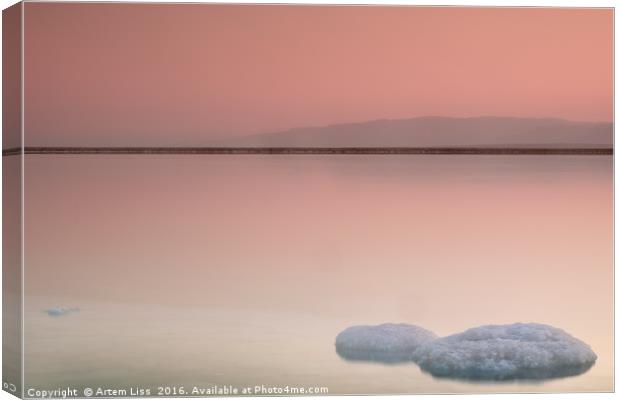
[[137, 74]]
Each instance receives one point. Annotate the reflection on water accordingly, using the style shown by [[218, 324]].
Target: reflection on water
[[373, 356], [241, 270], [532, 375]]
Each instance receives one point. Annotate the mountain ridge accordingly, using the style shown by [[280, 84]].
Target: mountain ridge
[[438, 131]]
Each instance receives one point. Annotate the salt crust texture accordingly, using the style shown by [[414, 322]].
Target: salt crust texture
[[506, 352], [389, 343]]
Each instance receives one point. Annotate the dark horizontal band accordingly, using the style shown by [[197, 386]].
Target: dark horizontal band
[[309, 150]]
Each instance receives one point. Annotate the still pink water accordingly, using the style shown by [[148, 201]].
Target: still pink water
[[195, 270]]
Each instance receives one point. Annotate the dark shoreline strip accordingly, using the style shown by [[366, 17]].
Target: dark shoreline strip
[[311, 150]]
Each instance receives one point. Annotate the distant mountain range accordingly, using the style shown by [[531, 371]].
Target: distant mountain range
[[442, 132]]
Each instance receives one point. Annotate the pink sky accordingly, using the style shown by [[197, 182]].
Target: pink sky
[[138, 74]]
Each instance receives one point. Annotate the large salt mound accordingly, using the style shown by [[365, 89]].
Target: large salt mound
[[388, 343], [506, 352]]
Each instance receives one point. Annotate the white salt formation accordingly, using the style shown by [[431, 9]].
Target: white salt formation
[[506, 352], [388, 343], [60, 311]]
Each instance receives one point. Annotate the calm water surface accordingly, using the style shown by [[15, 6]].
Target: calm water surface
[[241, 270]]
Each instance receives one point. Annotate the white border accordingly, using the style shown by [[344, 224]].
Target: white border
[[23, 208]]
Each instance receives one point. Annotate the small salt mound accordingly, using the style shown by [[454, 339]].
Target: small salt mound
[[506, 352], [388, 343]]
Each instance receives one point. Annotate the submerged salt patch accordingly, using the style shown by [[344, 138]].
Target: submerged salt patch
[[506, 352], [385, 342], [60, 311]]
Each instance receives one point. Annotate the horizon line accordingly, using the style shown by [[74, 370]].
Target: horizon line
[[353, 150]]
